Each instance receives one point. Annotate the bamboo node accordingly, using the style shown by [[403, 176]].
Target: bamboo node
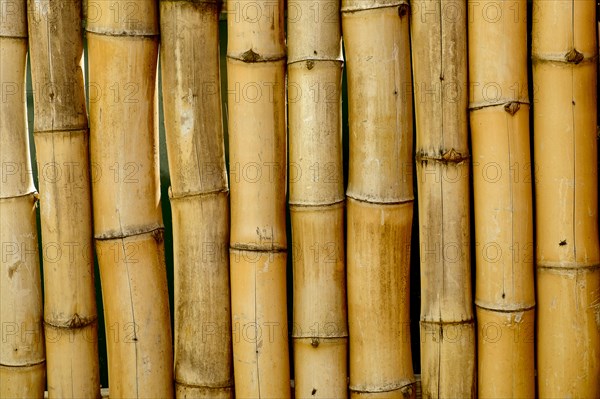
[[512, 107], [310, 64], [158, 235], [574, 56], [314, 342], [250, 56], [403, 10]]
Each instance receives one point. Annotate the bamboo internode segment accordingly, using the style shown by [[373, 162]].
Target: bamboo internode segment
[[380, 197], [564, 52], [61, 139], [439, 54], [123, 50], [199, 198]]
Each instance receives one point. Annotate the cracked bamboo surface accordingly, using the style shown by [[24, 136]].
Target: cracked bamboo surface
[[505, 296], [123, 49], [199, 198], [380, 197], [257, 163], [22, 357], [439, 54], [61, 139], [320, 332], [564, 52]]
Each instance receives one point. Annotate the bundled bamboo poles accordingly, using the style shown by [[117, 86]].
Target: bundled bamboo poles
[[320, 330], [380, 197], [257, 151], [61, 138], [439, 46], [22, 364], [505, 296], [564, 55], [199, 198], [123, 50]]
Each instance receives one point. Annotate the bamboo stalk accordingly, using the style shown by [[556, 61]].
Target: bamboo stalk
[[61, 138], [320, 330], [123, 50], [22, 363], [564, 55], [380, 197], [505, 296], [439, 51], [257, 164], [199, 198]]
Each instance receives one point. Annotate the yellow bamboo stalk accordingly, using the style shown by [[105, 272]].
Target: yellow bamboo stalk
[[320, 328], [564, 55], [505, 296], [199, 198], [439, 51], [123, 50], [380, 197], [61, 138], [22, 363], [257, 164]]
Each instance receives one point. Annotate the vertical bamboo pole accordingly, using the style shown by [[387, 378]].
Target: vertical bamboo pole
[[22, 364], [199, 198], [439, 50], [61, 138], [380, 197], [123, 50], [257, 151], [320, 330], [499, 103], [568, 260]]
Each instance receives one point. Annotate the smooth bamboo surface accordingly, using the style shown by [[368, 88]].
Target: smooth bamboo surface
[[123, 49], [564, 52]]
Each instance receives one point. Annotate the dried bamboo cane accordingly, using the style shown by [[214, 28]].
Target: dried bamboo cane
[[380, 197], [61, 138], [257, 151], [564, 55], [123, 50], [499, 103], [320, 329], [22, 363], [199, 198], [439, 51]]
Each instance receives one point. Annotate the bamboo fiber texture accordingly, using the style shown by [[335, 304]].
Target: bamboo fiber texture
[[564, 52], [22, 357]]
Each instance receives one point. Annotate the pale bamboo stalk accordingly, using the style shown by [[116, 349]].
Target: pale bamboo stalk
[[123, 50], [199, 198], [320, 331], [61, 138], [564, 55], [499, 103], [22, 363], [257, 151], [380, 197], [439, 51]]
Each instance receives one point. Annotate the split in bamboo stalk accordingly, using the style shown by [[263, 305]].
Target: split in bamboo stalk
[[439, 53], [61, 138], [257, 151], [564, 55], [123, 49], [320, 330], [505, 296], [199, 198], [22, 363], [380, 197]]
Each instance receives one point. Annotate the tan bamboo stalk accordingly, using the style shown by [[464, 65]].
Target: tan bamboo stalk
[[199, 198], [439, 51], [22, 364], [61, 138], [257, 164], [499, 103], [123, 49], [380, 197], [320, 328], [564, 55]]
